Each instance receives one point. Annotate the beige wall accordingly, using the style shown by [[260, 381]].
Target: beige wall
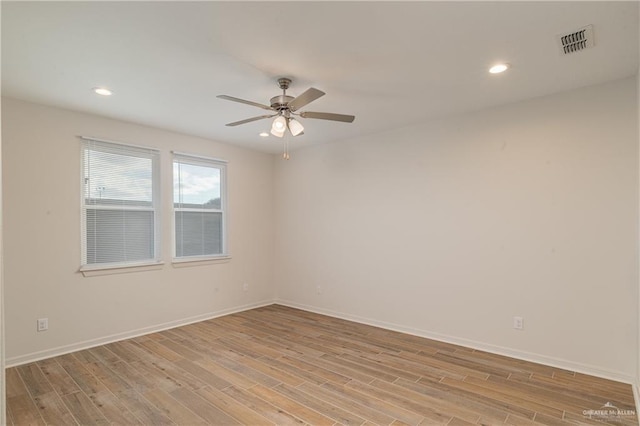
[[41, 178], [449, 229]]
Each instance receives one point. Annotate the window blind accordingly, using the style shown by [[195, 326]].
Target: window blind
[[120, 198]]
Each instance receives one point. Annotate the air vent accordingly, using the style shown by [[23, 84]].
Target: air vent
[[576, 41]]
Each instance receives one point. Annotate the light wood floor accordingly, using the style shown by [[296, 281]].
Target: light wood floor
[[278, 365]]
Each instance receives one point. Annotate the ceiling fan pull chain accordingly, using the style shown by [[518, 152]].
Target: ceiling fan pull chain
[[285, 154]]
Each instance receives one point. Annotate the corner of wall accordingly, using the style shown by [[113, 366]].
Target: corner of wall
[[3, 418], [637, 386], [3, 412]]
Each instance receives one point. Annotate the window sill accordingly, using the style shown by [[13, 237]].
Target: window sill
[[98, 270], [185, 262]]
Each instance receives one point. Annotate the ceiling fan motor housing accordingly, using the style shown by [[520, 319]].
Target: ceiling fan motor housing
[[280, 102]]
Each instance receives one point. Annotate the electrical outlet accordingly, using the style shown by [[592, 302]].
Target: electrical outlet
[[43, 324], [319, 290], [518, 323], [245, 287]]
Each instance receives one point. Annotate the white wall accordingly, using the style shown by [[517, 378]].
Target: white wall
[[451, 228], [41, 170]]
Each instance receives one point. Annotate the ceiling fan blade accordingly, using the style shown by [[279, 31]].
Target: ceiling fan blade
[[249, 120], [242, 101], [308, 96], [328, 116]]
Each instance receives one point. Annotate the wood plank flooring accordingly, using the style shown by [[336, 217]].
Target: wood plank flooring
[[278, 365]]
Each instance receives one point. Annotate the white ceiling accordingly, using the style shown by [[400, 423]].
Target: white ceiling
[[389, 63]]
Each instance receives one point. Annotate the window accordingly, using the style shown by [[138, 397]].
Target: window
[[199, 203], [120, 214]]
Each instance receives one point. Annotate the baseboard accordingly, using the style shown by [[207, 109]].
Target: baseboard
[[499, 350], [61, 350]]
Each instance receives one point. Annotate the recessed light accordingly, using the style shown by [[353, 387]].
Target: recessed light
[[102, 91], [498, 68], [264, 134]]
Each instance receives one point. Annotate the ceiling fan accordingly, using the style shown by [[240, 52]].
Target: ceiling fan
[[285, 107]]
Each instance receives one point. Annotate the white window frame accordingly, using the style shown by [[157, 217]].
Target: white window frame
[[220, 164], [121, 148]]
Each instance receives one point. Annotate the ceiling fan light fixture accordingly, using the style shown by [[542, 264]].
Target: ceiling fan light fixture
[[279, 124], [295, 127]]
